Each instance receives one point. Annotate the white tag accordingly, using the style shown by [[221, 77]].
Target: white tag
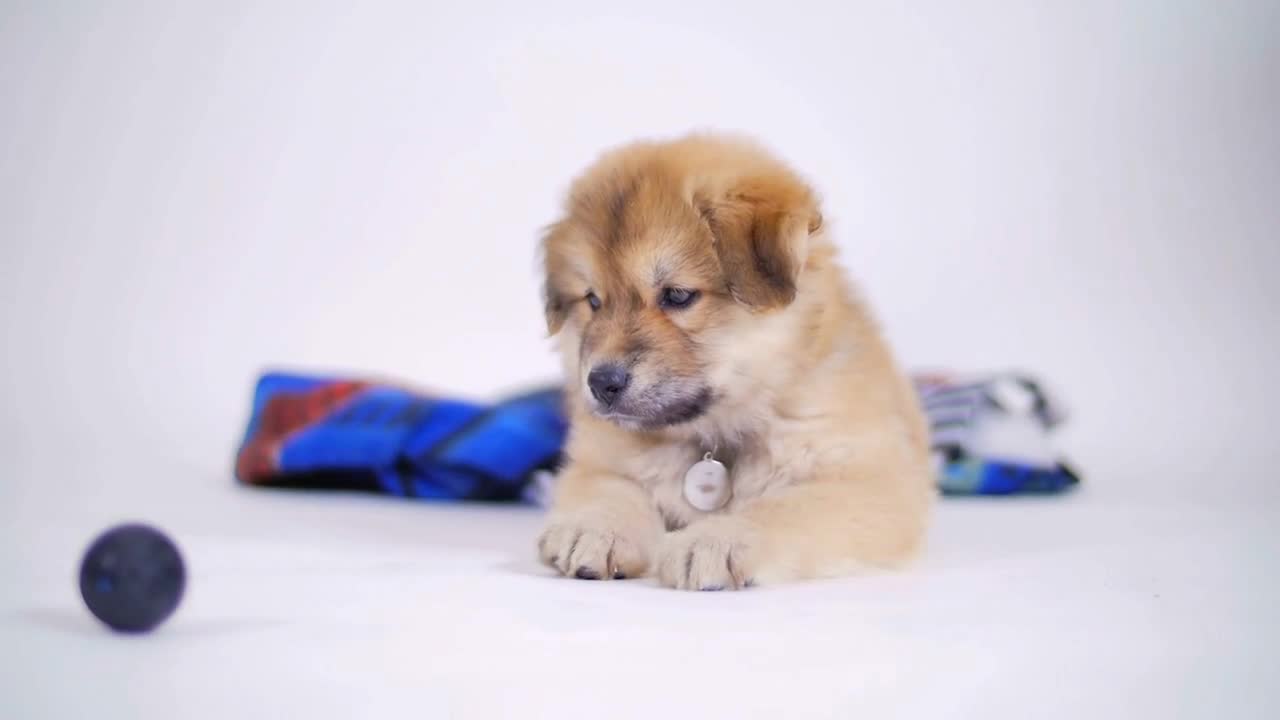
[[706, 484]]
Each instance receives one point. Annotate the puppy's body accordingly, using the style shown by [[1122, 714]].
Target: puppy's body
[[773, 366]]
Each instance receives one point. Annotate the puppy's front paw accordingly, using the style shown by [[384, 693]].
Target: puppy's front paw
[[715, 553], [584, 547]]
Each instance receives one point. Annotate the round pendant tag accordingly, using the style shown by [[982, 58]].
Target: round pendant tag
[[706, 485]]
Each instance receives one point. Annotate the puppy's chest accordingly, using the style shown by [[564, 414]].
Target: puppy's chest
[[750, 472]]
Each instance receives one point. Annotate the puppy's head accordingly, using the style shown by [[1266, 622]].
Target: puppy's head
[[665, 258]]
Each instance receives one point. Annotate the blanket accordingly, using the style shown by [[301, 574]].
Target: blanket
[[991, 435]]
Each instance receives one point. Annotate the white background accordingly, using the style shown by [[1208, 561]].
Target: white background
[[1085, 190], [190, 193]]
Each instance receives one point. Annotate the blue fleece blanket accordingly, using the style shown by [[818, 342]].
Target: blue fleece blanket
[[991, 437]]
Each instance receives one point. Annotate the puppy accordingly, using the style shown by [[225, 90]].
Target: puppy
[[703, 321]]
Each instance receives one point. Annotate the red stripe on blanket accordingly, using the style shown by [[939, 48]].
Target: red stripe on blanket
[[283, 415]]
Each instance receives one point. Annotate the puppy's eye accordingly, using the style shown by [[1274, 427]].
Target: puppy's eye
[[677, 298], [594, 301]]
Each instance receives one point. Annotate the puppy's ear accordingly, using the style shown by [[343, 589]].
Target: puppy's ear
[[761, 237], [555, 301]]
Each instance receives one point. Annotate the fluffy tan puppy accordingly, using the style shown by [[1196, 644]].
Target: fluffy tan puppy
[[701, 313]]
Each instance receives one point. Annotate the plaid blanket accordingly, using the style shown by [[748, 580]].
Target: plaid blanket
[[991, 436]]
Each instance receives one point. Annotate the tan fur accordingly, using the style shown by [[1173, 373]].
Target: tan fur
[[826, 445]]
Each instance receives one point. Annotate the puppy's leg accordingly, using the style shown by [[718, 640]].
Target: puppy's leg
[[822, 528], [600, 526]]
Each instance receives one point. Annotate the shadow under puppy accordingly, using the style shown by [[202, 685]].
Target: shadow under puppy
[[736, 417]]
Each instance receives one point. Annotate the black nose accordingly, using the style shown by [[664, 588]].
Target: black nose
[[607, 382]]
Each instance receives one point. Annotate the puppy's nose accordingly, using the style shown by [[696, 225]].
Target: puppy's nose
[[607, 382]]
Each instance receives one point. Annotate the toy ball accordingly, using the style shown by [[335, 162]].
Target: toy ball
[[132, 578]]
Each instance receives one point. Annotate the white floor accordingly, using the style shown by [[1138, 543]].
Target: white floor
[[317, 606]]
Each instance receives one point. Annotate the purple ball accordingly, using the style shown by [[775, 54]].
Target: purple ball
[[132, 577]]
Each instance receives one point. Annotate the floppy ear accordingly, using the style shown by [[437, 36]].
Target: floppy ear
[[762, 240], [555, 301]]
